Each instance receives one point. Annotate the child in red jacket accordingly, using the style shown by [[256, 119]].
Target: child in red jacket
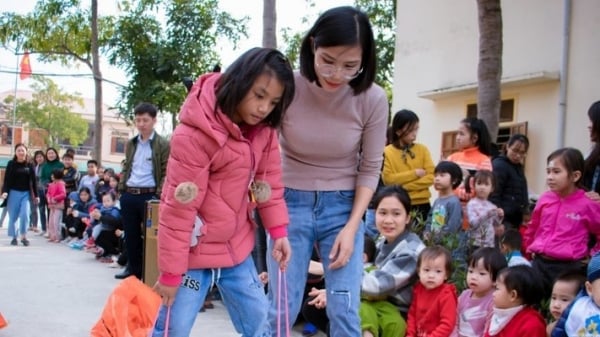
[[518, 289], [432, 312]]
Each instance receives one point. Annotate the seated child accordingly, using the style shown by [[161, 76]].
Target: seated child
[[584, 316], [518, 291], [80, 204], [510, 245], [433, 308], [387, 285], [475, 303], [484, 217], [105, 221], [566, 287]]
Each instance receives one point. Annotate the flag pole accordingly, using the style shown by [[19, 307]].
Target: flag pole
[[14, 116]]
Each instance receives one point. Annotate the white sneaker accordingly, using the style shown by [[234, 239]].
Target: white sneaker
[[114, 264], [46, 235]]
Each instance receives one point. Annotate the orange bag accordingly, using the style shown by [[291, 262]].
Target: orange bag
[[130, 311], [3, 322]]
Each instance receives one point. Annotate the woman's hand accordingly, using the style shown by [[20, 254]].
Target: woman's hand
[[167, 293], [282, 252], [342, 249], [594, 196], [4, 195]]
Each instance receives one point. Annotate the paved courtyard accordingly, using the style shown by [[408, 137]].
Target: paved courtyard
[[53, 291]]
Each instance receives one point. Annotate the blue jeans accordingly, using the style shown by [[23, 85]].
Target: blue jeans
[[370, 227], [317, 216], [241, 291], [18, 208]]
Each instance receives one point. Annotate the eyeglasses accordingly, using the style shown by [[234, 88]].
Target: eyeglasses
[[329, 70]]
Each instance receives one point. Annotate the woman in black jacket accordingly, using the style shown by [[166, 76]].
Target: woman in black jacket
[[511, 193], [591, 176], [19, 185]]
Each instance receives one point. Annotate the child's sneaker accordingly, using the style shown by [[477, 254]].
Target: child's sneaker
[[309, 329], [90, 243], [77, 244]]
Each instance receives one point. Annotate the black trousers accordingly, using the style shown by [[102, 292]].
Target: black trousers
[[548, 270], [133, 210]]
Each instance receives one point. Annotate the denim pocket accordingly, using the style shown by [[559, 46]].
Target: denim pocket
[[346, 194]]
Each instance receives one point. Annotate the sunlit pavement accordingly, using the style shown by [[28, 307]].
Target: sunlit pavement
[[51, 290]]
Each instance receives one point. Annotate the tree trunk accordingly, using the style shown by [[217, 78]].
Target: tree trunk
[[269, 24], [97, 155], [489, 71]]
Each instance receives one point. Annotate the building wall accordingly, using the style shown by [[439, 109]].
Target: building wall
[[111, 122], [437, 48]]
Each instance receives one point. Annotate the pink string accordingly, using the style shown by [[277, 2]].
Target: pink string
[[167, 321], [281, 278]]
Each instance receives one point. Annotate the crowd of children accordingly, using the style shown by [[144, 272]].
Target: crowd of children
[[524, 274], [81, 211]]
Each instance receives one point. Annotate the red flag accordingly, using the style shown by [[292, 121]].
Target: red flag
[[25, 66]]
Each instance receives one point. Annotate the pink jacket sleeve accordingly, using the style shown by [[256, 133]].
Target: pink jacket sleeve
[[273, 212], [177, 218]]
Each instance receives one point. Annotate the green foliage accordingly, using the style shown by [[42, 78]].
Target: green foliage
[[58, 30], [158, 56], [51, 109], [382, 14]]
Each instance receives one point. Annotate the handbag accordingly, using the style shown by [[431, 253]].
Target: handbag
[[129, 311]]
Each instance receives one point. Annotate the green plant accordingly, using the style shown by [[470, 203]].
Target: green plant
[[456, 243]]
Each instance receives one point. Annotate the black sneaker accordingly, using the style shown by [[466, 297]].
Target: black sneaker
[[13, 242], [25, 242]]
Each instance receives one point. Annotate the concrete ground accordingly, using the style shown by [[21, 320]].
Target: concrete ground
[[48, 289]]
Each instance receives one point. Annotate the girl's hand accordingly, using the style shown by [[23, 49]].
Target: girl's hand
[[167, 293], [264, 277], [320, 298], [500, 212], [282, 252], [420, 172], [4, 195], [342, 249]]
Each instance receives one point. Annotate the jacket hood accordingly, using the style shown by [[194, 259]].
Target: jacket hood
[[198, 110]]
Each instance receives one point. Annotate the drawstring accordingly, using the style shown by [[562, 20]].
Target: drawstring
[[167, 321], [281, 278]]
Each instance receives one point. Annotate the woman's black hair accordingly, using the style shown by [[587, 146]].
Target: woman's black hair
[[236, 82], [55, 151], [18, 146], [397, 192], [518, 137], [493, 260], [478, 128], [452, 169], [572, 160], [39, 152], [341, 26], [403, 120], [525, 281], [593, 159]]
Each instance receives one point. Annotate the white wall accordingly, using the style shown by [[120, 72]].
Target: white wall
[[437, 47]]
